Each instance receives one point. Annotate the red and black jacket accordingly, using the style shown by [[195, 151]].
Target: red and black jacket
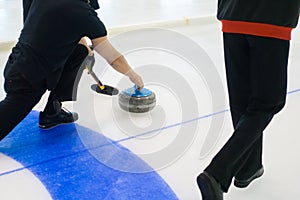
[[267, 18]]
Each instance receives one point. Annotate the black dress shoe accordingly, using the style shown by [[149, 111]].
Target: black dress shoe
[[64, 116], [209, 187], [244, 183]]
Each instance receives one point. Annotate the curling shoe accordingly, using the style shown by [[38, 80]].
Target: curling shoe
[[210, 189], [245, 182], [63, 116]]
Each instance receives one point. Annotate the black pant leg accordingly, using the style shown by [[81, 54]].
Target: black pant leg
[[237, 61], [21, 97], [268, 81], [66, 89], [251, 161], [239, 97]]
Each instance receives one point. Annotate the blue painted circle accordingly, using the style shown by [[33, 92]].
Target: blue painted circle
[[68, 170], [134, 92]]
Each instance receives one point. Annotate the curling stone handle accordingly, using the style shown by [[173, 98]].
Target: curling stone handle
[[136, 88]]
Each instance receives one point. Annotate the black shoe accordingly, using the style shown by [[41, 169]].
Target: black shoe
[[64, 116], [246, 182], [209, 187]]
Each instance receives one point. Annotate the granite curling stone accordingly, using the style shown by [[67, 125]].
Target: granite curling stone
[[137, 101]]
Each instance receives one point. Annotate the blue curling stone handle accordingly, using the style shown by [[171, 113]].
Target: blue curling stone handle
[[134, 92]]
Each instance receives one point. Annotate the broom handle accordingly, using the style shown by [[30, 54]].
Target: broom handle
[[88, 66], [101, 86]]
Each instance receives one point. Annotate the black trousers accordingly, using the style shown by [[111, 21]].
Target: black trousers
[[256, 69], [22, 96]]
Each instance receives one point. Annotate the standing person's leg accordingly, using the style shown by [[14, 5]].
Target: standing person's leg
[[21, 97], [269, 79], [236, 49], [238, 73], [251, 166], [66, 90], [273, 90]]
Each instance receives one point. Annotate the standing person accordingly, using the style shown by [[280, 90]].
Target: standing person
[[256, 38], [43, 59]]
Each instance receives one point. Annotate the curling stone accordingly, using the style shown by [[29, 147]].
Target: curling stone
[[137, 101]]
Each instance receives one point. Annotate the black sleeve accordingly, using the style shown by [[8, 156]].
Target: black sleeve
[[26, 7], [92, 25], [94, 4]]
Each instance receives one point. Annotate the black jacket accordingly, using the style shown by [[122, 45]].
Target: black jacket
[[276, 12], [49, 36]]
